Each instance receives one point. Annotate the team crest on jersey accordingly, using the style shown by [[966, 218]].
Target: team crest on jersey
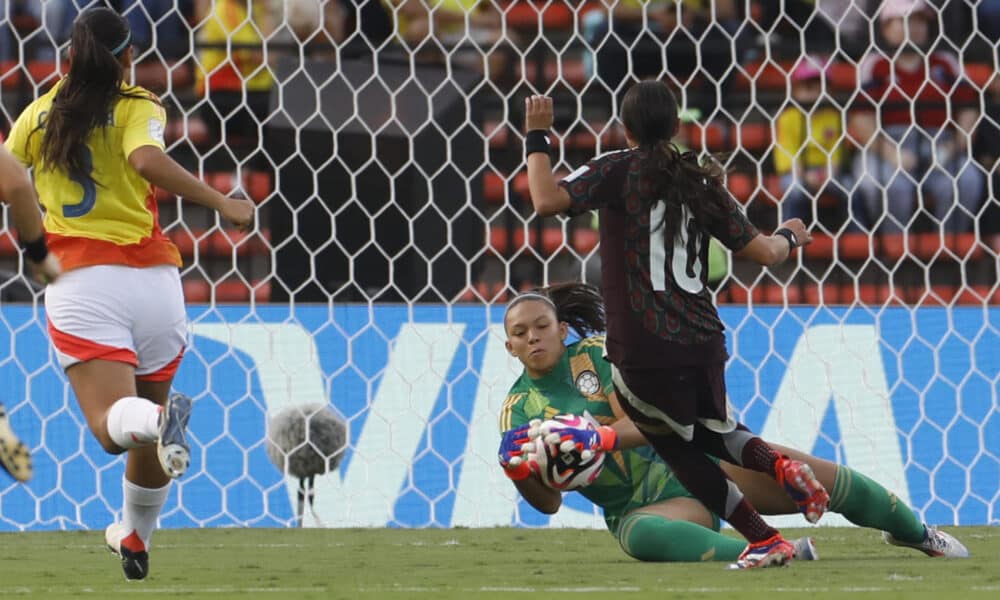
[[588, 383]]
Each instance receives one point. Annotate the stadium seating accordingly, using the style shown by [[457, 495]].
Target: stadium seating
[[504, 184]]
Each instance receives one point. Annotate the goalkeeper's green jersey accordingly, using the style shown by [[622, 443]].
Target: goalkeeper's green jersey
[[582, 382]]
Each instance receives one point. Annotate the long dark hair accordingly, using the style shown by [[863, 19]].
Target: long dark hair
[[87, 96], [578, 304], [649, 113]]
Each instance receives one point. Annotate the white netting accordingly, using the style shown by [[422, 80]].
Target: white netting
[[382, 144]]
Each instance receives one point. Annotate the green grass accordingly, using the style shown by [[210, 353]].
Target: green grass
[[458, 563]]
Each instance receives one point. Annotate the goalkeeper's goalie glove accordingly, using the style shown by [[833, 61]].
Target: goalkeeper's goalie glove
[[586, 441], [511, 452]]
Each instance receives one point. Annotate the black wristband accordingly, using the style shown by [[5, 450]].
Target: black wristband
[[537, 140], [36, 250], [786, 233]]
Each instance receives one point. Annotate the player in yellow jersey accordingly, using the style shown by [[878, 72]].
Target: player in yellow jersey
[[16, 191], [116, 315]]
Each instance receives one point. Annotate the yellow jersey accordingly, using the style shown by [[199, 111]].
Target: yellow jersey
[[221, 70], [812, 141], [112, 219]]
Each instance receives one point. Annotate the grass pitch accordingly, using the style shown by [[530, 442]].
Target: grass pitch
[[459, 563]]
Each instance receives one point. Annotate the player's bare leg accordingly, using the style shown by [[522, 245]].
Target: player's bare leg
[[742, 447], [861, 500], [122, 419]]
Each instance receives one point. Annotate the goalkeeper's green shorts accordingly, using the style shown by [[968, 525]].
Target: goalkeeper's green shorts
[[651, 491]]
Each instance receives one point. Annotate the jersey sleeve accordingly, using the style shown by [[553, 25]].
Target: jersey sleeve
[[144, 126], [734, 230], [512, 414], [17, 140], [594, 185]]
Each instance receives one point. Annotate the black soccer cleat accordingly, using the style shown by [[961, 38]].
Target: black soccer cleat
[[172, 447], [14, 455], [131, 550]]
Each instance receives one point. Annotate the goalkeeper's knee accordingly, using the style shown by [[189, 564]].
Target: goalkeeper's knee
[[641, 536], [655, 538]]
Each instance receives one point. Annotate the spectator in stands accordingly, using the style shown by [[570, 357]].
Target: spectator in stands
[[233, 74], [989, 20], [160, 25], [808, 154], [802, 25], [648, 36], [914, 156], [464, 30], [22, 36], [987, 151], [167, 17], [326, 28]]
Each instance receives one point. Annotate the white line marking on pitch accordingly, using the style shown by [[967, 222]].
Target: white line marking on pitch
[[176, 590]]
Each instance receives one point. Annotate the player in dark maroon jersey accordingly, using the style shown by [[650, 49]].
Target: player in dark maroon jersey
[[665, 341]]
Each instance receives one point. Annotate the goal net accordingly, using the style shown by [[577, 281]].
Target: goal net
[[382, 143]]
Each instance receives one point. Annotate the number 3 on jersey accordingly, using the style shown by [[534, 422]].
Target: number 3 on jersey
[[86, 204], [685, 265]]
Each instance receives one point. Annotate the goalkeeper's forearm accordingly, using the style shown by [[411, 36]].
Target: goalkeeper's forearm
[[629, 435], [540, 496]]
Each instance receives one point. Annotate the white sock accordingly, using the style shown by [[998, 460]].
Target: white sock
[[141, 508], [133, 422]]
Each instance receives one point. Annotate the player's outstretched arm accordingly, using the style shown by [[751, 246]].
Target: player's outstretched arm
[[770, 250], [156, 167], [18, 192], [546, 196]]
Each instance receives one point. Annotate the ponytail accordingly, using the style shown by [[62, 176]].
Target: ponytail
[[679, 179], [85, 99], [649, 113], [578, 304]]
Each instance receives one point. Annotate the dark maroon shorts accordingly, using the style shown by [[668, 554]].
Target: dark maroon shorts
[[685, 394]]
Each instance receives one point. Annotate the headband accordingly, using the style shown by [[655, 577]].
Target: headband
[[121, 47], [531, 296]]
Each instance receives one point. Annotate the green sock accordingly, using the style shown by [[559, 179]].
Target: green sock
[[654, 538], [868, 504]]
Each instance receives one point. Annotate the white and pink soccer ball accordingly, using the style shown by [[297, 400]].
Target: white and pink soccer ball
[[563, 467]]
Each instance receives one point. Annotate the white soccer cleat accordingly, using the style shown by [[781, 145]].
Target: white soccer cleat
[[775, 551], [130, 549], [805, 549], [936, 543], [172, 446]]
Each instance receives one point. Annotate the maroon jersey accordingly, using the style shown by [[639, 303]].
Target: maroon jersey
[[659, 309]]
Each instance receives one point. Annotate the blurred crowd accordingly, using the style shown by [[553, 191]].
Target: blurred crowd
[[916, 144]]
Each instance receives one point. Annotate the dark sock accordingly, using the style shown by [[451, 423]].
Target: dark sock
[[758, 456], [749, 523], [709, 484], [739, 447]]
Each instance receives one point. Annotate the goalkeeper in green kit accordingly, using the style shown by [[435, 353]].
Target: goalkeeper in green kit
[[651, 514]]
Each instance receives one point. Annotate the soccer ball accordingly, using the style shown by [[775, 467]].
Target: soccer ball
[[560, 469]]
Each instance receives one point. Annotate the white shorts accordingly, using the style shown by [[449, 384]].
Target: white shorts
[[120, 313]]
